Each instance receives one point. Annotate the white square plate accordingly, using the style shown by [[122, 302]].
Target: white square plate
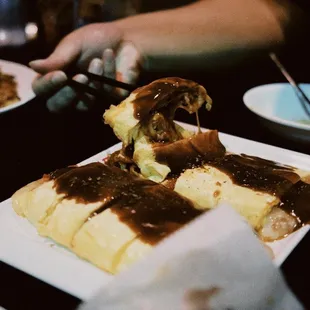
[[22, 248]]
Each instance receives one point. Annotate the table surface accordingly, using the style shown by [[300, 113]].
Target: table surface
[[34, 141]]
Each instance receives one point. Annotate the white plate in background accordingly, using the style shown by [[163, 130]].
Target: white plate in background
[[279, 109], [24, 77], [22, 248]]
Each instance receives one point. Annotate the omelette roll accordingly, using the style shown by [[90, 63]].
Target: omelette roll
[[103, 240], [82, 195], [270, 196], [20, 199], [38, 200], [132, 224], [153, 107], [103, 214], [145, 119], [67, 217], [207, 187]]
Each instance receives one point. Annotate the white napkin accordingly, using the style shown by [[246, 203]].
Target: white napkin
[[216, 262]]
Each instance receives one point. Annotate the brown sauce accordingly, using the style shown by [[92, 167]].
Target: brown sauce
[[91, 183], [155, 105], [148, 208], [160, 93], [57, 173], [187, 153], [296, 201], [270, 177], [247, 171], [255, 173]]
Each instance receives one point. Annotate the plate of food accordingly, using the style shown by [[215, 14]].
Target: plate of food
[[15, 85], [78, 226]]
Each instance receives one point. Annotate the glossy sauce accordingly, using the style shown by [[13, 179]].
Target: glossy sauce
[[155, 105], [244, 170], [159, 94], [296, 201], [256, 173], [187, 153], [270, 177], [148, 208]]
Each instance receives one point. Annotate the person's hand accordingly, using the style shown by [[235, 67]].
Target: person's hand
[[98, 48]]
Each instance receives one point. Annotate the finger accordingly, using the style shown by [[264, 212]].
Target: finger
[[66, 97], [96, 67], [109, 66], [46, 84], [127, 65], [65, 53]]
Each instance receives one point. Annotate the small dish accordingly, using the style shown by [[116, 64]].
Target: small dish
[[279, 109]]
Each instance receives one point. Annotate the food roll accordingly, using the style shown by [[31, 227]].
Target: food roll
[[103, 214]]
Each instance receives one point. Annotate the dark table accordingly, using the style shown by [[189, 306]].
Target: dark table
[[34, 141]]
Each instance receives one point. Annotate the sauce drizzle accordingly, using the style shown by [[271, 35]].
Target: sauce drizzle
[[150, 209], [252, 172]]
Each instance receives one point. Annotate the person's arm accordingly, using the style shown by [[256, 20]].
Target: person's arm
[[204, 35], [207, 32]]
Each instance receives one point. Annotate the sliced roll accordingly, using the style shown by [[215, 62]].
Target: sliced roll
[[103, 214]]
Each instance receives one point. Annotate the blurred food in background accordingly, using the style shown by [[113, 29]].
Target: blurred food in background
[[8, 89]]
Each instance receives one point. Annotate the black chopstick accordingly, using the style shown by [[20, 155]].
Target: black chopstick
[[299, 92], [106, 80], [97, 93]]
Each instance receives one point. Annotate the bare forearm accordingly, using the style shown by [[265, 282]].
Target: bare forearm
[[206, 31]]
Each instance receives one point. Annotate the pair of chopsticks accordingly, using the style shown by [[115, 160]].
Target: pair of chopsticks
[[305, 102], [98, 93]]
